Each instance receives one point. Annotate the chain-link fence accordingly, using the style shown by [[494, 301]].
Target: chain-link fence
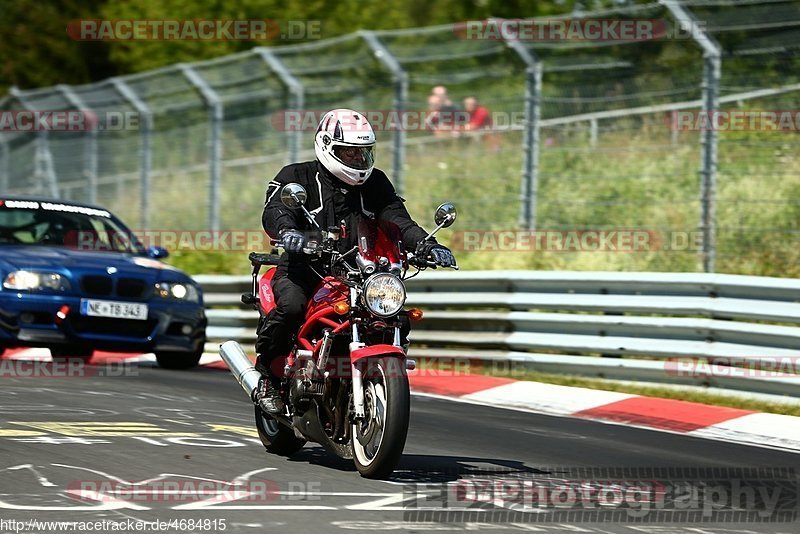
[[589, 133]]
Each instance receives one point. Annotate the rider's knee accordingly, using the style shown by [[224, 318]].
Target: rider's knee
[[293, 310]]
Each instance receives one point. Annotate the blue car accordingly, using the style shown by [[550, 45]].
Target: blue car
[[74, 279]]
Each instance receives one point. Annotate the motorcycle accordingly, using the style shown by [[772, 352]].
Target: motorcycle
[[345, 381]]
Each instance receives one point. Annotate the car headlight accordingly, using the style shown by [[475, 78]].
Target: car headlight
[[384, 294], [29, 280], [178, 291]]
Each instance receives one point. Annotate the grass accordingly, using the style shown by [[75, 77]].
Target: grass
[[637, 176]]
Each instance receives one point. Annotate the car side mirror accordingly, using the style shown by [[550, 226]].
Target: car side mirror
[[157, 253]]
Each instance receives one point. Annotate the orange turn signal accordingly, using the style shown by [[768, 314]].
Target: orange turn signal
[[341, 307], [415, 314]]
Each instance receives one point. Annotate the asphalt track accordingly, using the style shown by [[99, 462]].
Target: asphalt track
[[71, 447]]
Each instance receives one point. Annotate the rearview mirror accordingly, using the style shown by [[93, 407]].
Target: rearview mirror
[[445, 215], [157, 253], [293, 195]]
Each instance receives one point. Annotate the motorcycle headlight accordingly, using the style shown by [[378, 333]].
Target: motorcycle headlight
[[384, 294], [28, 281], [177, 291]]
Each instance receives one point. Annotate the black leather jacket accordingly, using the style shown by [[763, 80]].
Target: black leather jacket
[[334, 203]]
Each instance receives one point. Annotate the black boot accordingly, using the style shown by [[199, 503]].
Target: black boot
[[267, 396]]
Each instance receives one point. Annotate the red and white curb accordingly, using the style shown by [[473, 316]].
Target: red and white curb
[[667, 415], [100, 357]]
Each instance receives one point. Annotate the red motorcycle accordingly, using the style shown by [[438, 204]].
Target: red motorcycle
[[345, 382]]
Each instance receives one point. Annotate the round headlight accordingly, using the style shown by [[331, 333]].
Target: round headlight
[[384, 294], [51, 280], [178, 291]]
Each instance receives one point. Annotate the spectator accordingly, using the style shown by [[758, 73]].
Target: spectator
[[441, 92], [479, 117], [437, 121]]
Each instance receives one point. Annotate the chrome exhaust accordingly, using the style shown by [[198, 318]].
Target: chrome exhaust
[[241, 367]]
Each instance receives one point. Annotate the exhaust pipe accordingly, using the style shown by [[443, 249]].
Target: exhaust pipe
[[241, 367]]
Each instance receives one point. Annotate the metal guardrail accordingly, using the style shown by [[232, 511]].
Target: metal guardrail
[[629, 326]]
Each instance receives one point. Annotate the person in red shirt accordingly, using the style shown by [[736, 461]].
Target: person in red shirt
[[479, 116], [481, 119]]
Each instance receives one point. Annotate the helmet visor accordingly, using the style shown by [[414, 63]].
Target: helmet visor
[[355, 157]]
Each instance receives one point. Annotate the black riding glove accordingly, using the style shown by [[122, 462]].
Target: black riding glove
[[439, 254], [292, 240]]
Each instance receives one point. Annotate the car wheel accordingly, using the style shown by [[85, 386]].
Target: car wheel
[[71, 352], [178, 360]]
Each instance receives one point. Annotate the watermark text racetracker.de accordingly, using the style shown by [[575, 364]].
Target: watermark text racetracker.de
[[173, 240], [194, 30], [754, 366], [384, 120], [579, 240], [781, 120], [576, 240], [67, 367], [69, 120], [190, 490], [566, 30]]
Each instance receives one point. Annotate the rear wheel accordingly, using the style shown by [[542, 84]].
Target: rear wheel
[[71, 352], [277, 438], [379, 439], [178, 360]]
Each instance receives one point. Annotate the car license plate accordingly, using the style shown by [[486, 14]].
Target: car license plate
[[117, 310]]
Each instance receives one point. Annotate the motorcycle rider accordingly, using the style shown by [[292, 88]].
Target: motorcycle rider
[[342, 186]]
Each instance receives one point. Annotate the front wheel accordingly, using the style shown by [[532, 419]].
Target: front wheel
[[378, 440], [276, 438]]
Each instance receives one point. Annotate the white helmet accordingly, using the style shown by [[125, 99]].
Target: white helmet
[[345, 145]]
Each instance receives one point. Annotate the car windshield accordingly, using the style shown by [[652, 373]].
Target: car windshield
[[64, 225]]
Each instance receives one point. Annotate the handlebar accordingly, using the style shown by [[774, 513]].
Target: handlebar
[[425, 263], [318, 247]]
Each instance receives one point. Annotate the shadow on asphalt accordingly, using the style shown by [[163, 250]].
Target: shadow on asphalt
[[424, 468], [317, 455]]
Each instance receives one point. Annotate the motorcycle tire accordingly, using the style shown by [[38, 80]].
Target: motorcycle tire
[[276, 437], [389, 385]]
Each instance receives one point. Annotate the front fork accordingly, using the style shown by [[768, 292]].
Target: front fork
[[358, 389], [355, 370]]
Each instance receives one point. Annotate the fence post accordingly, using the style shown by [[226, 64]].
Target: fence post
[[709, 139], [530, 141], [400, 76], [4, 179], [90, 151], [145, 150], [214, 103], [43, 164], [4, 167], [297, 92]]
